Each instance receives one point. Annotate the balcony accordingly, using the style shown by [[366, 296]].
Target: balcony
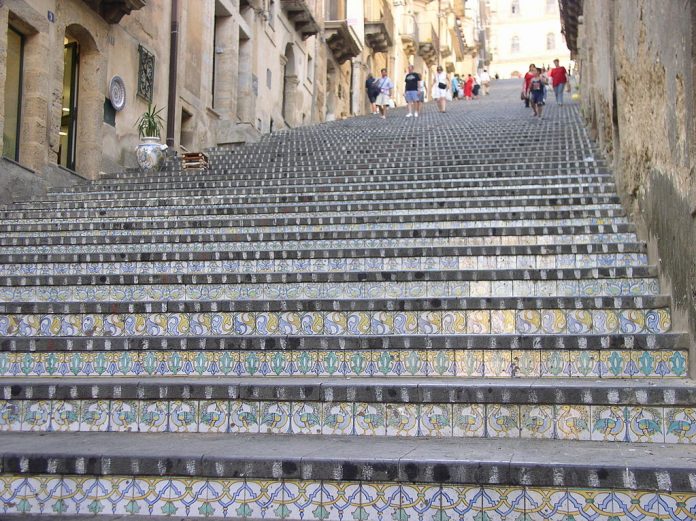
[[340, 36], [409, 34], [301, 15], [379, 25], [113, 10], [427, 43]]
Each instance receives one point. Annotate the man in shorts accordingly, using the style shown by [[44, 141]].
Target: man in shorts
[[413, 83], [385, 86]]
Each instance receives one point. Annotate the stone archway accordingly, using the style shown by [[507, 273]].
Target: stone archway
[[290, 84], [89, 85]]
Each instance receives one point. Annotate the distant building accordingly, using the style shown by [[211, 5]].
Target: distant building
[[520, 32]]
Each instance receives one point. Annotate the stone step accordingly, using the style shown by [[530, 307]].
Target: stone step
[[341, 186], [284, 344], [347, 290], [519, 228], [384, 461], [369, 221], [315, 198], [164, 208], [223, 179], [329, 244], [367, 172], [430, 284], [340, 318], [552, 256], [502, 361], [632, 411]]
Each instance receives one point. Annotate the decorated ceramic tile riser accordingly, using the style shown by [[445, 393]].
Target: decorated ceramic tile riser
[[458, 363], [523, 240], [421, 211], [341, 323], [308, 290], [55, 495], [580, 221], [569, 422], [332, 264]]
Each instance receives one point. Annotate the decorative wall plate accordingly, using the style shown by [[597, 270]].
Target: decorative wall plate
[[117, 93]]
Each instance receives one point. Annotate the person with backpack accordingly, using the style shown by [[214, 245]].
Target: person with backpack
[[372, 92]]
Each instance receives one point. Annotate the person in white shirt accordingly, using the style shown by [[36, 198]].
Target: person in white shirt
[[385, 86], [440, 88], [485, 82]]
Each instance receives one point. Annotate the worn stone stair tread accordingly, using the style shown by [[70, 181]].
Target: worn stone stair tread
[[554, 463], [415, 275], [647, 341], [353, 182], [261, 236], [560, 391], [165, 207], [273, 253], [344, 304]]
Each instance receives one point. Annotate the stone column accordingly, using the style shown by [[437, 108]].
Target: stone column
[[291, 107], [358, 92]]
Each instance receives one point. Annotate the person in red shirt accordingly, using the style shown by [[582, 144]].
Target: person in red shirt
[[525, 85], [559, 78]]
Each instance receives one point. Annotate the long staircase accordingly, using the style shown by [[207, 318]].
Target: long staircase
[[441, 318]]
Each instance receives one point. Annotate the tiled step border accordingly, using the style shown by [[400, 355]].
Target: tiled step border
[[294, 500], [504, 362]]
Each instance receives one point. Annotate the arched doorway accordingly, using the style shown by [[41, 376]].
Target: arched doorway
[[81, 107], [290, 83]]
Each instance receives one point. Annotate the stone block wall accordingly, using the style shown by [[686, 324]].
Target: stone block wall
[[636, 59]]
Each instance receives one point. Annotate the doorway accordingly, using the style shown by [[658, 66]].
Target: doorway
[[68, 119], [290, 83], [13, 95]]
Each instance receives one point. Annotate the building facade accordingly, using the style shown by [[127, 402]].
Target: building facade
[[521, 32], [75, 75]]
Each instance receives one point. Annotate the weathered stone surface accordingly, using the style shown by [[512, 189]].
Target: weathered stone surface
[[637, 86]]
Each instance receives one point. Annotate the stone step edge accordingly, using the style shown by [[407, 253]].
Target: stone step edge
[[403, 304], [343, 188], [326, 197], [637, 392], [440, 275], [513, 462], [325, 253], [331, 206], [213, 181], [289, 343], [122, 224], [262, 236]]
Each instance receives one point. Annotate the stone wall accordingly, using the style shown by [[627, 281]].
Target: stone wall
[[637, 87]]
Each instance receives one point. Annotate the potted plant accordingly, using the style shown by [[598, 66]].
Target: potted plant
[[150, 152]]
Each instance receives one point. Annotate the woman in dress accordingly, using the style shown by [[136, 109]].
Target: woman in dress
[[468, 87], [440, 88]]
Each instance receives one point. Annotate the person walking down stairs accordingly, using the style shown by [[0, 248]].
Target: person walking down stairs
[[385, 86], [412, 95], [440, 89]]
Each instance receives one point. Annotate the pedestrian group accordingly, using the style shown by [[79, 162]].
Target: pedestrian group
[[379, 90], [535, 82]]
